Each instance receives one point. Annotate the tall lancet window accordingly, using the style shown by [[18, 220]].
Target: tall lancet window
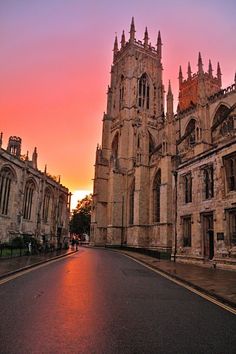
[[114, 154], [157, 197], [47, 205], [6, 178], [28, 199], [131, 204], [60, 210], [122, 91], [143, 92], [190, 132]]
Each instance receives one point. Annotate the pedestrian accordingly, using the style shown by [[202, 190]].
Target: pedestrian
[[29, 247], [76, 244]]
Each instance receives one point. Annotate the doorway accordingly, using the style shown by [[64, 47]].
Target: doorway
[[208, 235]]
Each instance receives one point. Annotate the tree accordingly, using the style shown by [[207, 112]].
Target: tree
[[81, 217]]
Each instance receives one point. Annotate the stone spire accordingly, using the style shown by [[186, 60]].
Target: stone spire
[[123, 39], [189, 71], [169, 102], [34, 158], [200, 65], [132, 31], [45, 169], [1, 139], [219, 74], [180, 76], [115, 49], [210, 71], [159, 45], [146, 38]]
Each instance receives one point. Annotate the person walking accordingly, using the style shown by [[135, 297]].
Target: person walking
[[76, 244]]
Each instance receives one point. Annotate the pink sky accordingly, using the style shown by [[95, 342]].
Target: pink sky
[[55, 63]]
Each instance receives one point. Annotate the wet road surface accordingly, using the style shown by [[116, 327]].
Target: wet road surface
[[98, 301]]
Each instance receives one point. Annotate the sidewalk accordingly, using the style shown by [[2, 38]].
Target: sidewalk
[[13, 265], [220, 284]]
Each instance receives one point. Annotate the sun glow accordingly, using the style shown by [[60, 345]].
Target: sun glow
[[78, 195]]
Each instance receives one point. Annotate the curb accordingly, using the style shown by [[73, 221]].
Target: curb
[[2, 276], [186, 282]]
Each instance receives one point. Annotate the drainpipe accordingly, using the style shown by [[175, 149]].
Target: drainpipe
[[122, 221]]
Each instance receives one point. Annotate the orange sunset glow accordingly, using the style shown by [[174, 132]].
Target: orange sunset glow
[[55, 68]]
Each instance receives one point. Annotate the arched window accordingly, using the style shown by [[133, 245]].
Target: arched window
[[60, 210], [190, 132], [122, 91], [28, 199], [47, 205], [114, 148], [6, 178], [143, 92], [131, 204], [157, 197], [223, 123], [221, 113]]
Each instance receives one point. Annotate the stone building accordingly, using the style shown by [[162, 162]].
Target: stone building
[[166, 181], [206, 169], [31, 202]]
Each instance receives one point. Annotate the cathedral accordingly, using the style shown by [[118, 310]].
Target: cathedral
[[166, 181], [32, 202]]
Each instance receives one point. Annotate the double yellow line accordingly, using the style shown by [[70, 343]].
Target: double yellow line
[[206, 297]]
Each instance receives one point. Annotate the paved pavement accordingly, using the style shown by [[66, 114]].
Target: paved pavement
[[13, 265], [221, 284]]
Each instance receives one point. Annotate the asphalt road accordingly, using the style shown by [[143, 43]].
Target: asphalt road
[[99, 301]]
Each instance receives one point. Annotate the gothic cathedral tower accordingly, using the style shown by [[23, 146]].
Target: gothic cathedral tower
[[136, 141]]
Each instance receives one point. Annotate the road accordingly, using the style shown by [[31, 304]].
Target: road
[[99, 301]]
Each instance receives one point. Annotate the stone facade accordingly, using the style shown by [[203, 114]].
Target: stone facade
[[31, 202], [162, 179]]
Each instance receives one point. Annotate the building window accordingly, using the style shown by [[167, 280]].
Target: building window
[[6, 178], [28, 200], [208, 182], [188, 187], [131, 204], [230, 168], [232, 227], [143, 92], [46, 205], [187, 232], [114, 154], [60, 210], [157, 197], [122, 90], [190, 132]]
